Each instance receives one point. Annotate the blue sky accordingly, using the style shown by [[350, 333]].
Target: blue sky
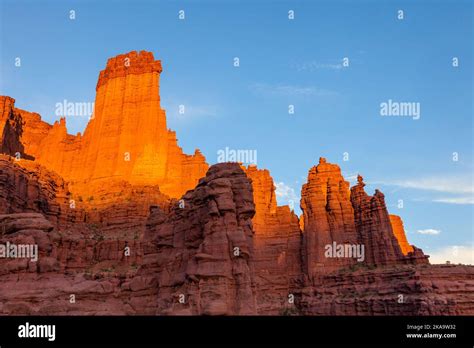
[[282, 62]]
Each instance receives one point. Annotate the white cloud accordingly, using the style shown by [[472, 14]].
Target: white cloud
[[183, 110], [460, 187], [454, 254], [290, 90], [286, 194], [456, 200], [429, 231], [440, 184], [351, 177]]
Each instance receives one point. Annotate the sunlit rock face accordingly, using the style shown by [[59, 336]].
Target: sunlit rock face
[[126, 139], [130, 225], [399, 232], [277, 241]]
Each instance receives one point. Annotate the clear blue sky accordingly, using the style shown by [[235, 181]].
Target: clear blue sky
[[282, 62]]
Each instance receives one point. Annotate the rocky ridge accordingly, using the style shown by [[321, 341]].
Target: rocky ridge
[[163, 234]]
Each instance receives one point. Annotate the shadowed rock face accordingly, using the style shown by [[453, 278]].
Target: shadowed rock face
[[328, 217], [374, 227], [334, 214], [163, 234], [10, 127], [277, 246], [183, 257], [202, 250]]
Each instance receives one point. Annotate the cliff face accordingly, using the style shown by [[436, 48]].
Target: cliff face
[[374, 227], [201, 252], [126, 139], [328, 217], [399, 232], [335, 217], [31, 188], [82, 243], [393, 290], [102, 209], [200, 255], [11, 128], [277, 246]]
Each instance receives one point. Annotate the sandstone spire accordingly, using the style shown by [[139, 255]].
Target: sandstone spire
[[328, 217], [399, 232], [373, 226], [277, 241], [127, 138]]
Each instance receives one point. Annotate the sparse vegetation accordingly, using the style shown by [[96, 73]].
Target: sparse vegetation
[[356, 267], [108, 269], [93, 226], [287, 311]]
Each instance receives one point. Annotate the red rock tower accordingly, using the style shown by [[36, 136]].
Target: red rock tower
[[328, 217], [399, 232], [373, 226], [126, 139], [127, 136]]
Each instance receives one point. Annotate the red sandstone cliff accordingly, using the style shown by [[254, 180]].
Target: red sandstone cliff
[[399, 232], [225, 248], [335, 216], [186, 263], [127, 139], [277, 246], [328, 217], [374, 227], [201, 252]]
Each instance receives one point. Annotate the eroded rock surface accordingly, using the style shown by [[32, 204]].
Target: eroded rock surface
[[125, 223]]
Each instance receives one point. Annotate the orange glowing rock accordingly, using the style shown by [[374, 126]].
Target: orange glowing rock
[[399, 232], [277, 244], [126, 139], [263, 196]]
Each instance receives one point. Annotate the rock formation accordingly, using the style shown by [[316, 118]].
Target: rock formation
[[32, 188], [394, 290], [277, 246], [129, 225], [328, 217], [126, 139], [334, 216], [202, 249], [10, 127], [374, 227], [399, 232]]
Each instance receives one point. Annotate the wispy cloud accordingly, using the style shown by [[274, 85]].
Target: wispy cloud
[[454, 254], [351, 177], [459, 187], [455, 200], [286, 194], [430, 231], [315, 65], [290, 90], [439, 184]]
